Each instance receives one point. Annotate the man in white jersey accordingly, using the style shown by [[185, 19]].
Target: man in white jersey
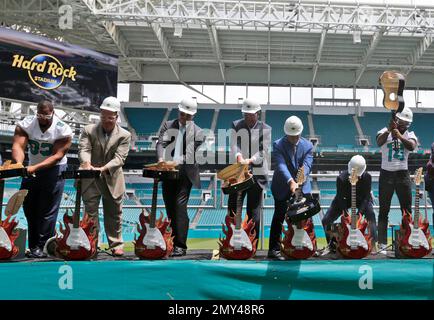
[[396, 143], [48, 139]]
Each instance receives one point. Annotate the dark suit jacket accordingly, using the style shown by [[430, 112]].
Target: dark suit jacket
[[167, 139], [259, 142], [363, 190], [285, 168]]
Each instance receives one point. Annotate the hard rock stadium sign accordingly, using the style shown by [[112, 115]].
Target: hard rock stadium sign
[[44, 70]]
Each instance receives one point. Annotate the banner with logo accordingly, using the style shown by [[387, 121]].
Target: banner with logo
[[33, 68]]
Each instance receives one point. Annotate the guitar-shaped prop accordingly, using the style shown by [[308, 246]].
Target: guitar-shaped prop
[[8, 232], [78, 239], [414, 239], [393, 83], [299, 240], [352, 241], [239, 242], [155, 239]]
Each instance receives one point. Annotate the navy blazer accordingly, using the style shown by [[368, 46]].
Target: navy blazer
[[285, 168]]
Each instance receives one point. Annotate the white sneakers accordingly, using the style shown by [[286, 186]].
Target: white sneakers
[[382, 248]]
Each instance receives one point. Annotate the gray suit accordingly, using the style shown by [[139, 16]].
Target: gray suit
[[176, 193], [111, 153], [167, 139], [256, 148]]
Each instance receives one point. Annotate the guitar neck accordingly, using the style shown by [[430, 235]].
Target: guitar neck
[[239, 210], [154, 204], [76, 215], [353, 207], [416, 209]]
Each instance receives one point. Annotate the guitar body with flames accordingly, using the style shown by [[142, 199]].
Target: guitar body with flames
[[8, 235], [155, 239], [299, 241], [153, 243], [414, 239], [354, 244], [412, 243], [238, 244], [8, 231], [77, 243]]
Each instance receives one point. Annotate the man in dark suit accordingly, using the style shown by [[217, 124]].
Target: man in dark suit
[[178, 141], [289, 153], [254, 152], [342, 200]]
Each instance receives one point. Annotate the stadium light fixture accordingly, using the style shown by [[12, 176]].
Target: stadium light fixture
[[178, 31], [357, 36], [145, 99]]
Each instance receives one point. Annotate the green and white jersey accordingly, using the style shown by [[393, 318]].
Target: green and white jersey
[[41, 143], [395, 160]]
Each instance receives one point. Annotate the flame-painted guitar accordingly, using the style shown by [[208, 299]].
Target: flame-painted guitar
[[240, 236], [8, 232], [414, 239], [78, 239], [352, 241], [155, 239], [299, 240]]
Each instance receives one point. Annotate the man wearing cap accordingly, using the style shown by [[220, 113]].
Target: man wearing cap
[[396, 143], [342, 200], [255, 154], [104, 146], [49, 139], [178, 141], [289, 153]]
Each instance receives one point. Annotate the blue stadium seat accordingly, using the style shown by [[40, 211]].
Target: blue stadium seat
[[423, 128], [145, 121], [335, 130], [372, 122]]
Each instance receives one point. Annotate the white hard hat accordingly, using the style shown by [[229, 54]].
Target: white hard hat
[[357, 163], [111, 104], [188, 106], [406, 115], [293, 126], [250, 106]]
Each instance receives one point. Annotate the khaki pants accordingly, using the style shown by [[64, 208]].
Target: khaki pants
[[112, 209]]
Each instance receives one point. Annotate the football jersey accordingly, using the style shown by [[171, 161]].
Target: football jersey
[[41, 143], [395, 160]]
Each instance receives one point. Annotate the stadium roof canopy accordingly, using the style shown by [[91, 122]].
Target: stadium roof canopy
[[301, 43]]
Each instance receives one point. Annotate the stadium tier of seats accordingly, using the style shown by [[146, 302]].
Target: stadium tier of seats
[[145, 121], [337, 132]]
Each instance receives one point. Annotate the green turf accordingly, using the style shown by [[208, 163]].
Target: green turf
[[211, 243]]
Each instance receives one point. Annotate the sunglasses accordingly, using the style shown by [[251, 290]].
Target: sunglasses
[[400, 122], [45, 116], [110, 118]]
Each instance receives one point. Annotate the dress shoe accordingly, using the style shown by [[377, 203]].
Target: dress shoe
[[275, 255], [178, 252], [118, 252], [36, 253]]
